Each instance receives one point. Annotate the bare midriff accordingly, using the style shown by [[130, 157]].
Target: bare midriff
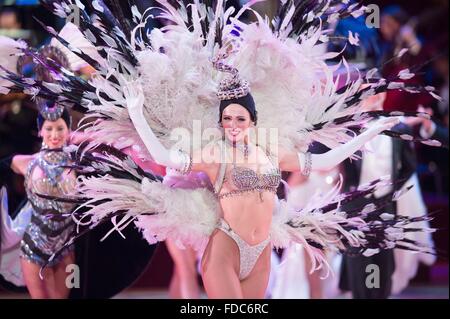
[[247, 205], [248, 216]]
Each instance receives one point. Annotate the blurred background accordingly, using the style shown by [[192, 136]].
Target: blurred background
[[427, 22]]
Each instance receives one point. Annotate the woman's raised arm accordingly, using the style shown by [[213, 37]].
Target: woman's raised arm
[[307, 162]]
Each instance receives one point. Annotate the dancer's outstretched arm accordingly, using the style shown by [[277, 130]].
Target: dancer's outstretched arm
[[306, 162], [174, 159]]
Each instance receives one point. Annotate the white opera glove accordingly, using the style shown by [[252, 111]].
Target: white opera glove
[[174, 159], [327, 161]]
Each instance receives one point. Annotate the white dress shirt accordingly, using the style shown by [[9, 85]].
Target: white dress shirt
[[377, 162]]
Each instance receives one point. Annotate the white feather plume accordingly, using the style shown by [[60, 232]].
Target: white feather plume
[[73, 35], [189, 220]]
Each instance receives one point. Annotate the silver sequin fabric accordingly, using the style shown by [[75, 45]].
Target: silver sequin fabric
[[48, 230], [246, 180], [248, 254]]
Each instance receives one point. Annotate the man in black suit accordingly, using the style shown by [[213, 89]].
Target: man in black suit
[[370, 277]]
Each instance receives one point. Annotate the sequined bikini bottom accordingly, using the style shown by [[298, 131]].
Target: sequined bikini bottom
[[248, 254]]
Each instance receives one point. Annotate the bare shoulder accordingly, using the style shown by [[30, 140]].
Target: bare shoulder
[[20, 163], [288, 160], [207, 159], [283, 152]]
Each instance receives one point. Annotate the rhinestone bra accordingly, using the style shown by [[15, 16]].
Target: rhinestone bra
[[245, 180]]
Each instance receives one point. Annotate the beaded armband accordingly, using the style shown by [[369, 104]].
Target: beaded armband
[[187, 163], [306, 170]]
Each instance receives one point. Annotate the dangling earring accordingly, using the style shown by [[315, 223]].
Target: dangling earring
[[44, 146]]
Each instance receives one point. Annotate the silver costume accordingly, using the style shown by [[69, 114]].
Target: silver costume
[[48, 229], [248, 254], [240, 181]]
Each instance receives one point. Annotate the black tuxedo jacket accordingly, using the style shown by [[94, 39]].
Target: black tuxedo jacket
[[353, 270]]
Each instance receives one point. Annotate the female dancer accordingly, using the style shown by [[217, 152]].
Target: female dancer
[[49, 225], [39, 229], [169, 82], [236, 262], [47, 230]]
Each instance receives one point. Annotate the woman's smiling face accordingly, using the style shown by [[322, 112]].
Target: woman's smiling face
[[236, 121], [55, 133]]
